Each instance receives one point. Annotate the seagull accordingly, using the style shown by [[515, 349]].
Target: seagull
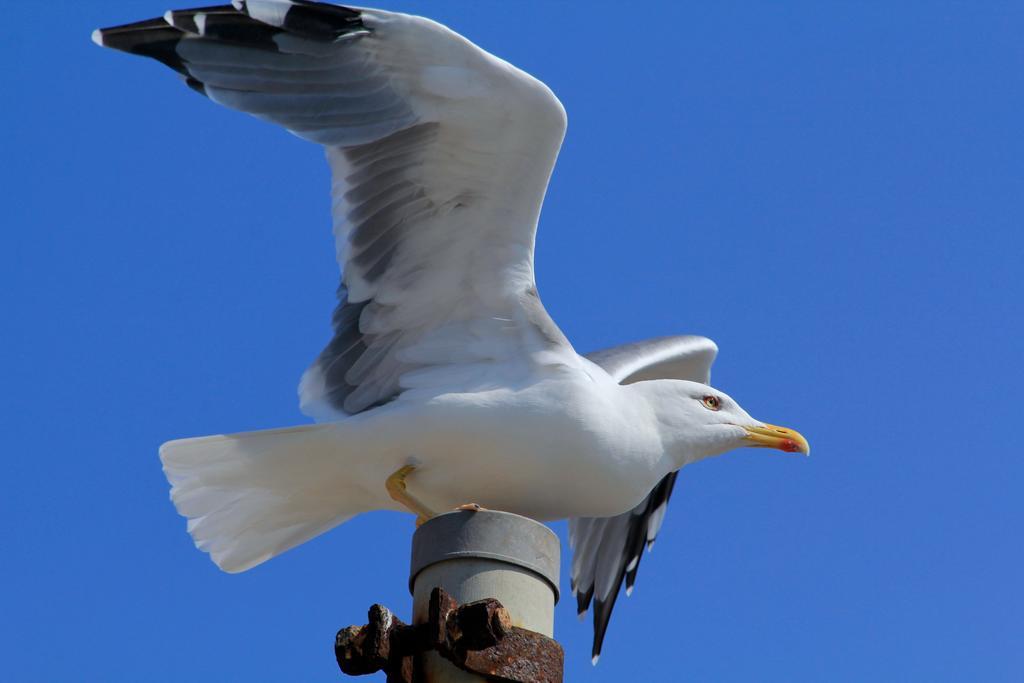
[[446, 381]]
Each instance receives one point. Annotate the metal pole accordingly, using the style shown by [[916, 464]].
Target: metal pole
[[479, 555]]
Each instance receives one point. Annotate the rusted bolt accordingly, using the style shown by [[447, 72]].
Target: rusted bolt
[[477, 637], [479, 625]]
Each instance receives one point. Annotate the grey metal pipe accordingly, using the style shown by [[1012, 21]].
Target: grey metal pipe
[[479, 555]]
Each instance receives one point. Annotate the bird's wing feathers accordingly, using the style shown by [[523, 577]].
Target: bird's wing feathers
[[607, 550], [681, 357], [440, 155]]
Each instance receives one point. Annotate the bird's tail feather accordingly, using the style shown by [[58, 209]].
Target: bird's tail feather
[[254, 495]]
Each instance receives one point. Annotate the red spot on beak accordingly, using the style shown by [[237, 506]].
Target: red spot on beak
[[789, 446]]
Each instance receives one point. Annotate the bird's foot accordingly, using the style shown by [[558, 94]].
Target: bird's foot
[[471, 507], [398, 490]]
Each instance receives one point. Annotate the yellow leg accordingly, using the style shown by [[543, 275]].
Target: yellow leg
[[395, 484]]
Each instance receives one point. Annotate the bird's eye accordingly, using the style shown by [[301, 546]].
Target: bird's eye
[[711, 402]]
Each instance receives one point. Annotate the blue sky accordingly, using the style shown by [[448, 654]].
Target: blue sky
[[834, 192]]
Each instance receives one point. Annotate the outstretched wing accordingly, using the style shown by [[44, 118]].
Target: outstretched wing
[[681, 357], [607, 550], [440, 154]]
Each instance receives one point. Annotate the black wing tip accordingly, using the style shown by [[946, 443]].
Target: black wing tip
[[583, 601], [186, 19], [182, 21], [602, 617], [234, 23], [196, 85], [321, 21], [226, 24], [315, 20], [631, 569], [153, 38], [632, 553], [158, 38]]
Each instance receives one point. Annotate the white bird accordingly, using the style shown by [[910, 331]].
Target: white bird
[[446, 381]]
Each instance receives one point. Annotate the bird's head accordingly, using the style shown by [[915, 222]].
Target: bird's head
[[698, 421]]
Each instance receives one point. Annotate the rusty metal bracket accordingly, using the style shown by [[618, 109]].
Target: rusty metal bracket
[[477, 637]]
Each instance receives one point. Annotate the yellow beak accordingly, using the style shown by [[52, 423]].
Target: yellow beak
[[770, 436]]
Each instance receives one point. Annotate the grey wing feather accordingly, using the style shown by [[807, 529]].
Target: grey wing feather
[[411, 144], [359, 369], [294, 63], [607, 550]]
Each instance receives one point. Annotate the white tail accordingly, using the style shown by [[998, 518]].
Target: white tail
[[254, 495]]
